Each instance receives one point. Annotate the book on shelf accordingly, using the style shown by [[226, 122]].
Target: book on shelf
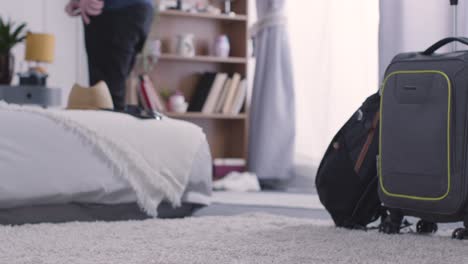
[[219, 93], [214, 94], [239, 98], [223, 96], [232, 92], [148, 96], [201, 92]]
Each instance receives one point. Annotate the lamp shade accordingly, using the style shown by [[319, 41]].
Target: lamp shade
[[40, 47]]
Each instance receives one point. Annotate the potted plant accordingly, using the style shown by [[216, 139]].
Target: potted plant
[[10, 35]]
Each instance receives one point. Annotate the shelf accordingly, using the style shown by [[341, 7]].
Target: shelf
[[203, 15], [173, 57], [227, 135], [199, 115]]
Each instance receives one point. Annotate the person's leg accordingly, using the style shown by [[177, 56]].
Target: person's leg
[[113, 41], [104, 58], [94, 39]]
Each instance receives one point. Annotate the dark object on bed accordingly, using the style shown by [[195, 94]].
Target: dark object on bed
[[138, 112], [76, 212]]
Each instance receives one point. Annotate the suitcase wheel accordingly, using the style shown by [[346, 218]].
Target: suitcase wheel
[[424, 227], [388, 227], [460, 233]]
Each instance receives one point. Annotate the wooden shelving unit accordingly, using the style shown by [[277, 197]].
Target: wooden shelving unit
[[203, 15], [238, 60], [226, 134], [196, 115]]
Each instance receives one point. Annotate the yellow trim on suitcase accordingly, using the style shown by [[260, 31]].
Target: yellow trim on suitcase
[[448, 137]]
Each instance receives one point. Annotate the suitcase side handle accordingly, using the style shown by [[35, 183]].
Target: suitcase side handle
[[444, 42]]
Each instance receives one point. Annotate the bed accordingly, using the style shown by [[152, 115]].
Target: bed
[[58, 166]]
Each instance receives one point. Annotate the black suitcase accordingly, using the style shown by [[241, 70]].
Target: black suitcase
[[424, 138]]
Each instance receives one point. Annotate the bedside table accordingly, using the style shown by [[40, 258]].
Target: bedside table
[[29, 94]]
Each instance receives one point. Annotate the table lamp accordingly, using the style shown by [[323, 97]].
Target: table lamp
[[40, 48]]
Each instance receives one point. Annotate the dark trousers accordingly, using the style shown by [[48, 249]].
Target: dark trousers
[[113, 40]]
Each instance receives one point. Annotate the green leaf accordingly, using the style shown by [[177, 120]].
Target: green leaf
[[10, 34], [18, 31]]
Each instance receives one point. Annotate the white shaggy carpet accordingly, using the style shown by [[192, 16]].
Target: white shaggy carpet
[[254, 238]]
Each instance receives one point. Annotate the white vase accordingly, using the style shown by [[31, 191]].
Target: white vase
[[178, 104], [185, 45], [154, 48], [222, 46]]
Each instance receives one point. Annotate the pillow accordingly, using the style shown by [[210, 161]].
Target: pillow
[[90, 98]]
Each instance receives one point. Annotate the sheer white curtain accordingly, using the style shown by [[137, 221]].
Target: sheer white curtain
[[272, 112], [334, 46]]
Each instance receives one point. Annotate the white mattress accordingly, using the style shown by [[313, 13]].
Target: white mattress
[[40, 163]]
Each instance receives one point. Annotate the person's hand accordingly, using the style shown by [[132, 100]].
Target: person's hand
[[73, 8], [85, 8], [90, 8]]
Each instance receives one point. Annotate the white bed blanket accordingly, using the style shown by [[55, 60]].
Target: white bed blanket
[[137, 150]]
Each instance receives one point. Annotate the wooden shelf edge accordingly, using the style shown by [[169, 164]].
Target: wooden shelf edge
[[203, 15], [198, 115], [174, 57]]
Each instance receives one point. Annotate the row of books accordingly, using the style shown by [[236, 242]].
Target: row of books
[[148, 97], [219, 93]]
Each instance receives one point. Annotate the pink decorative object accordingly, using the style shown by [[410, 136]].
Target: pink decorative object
[[222, 46], [177, 103]]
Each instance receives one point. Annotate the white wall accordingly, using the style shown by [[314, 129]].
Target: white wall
[[417, 33], [415, 25], [48, 16]]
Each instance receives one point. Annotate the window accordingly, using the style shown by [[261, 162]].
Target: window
[[334, 46]]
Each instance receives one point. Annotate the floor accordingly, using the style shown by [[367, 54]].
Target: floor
[[248, 238], [228, 210], [304, 205], [295, 198], [289, 204]]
